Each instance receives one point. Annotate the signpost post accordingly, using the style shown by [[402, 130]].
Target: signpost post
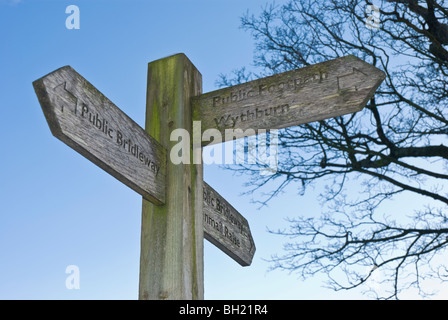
[[179, 209], [171, 259]]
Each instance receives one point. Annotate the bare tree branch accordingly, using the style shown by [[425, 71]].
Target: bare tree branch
[[395, 147]]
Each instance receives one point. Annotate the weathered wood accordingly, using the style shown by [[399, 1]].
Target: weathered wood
[[179, 209], [226, 228], [83, 118], [320, 91], [171, 260]]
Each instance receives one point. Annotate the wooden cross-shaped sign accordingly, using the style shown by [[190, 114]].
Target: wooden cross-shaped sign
[[179, 208]]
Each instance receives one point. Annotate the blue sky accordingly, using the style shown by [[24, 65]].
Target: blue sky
[[58, 209]]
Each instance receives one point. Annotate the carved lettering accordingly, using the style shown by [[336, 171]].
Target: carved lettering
[[103, 125], [290, 85], [251, 115], [221, 208]]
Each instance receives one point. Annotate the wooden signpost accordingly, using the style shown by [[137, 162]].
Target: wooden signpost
[[179, 209]]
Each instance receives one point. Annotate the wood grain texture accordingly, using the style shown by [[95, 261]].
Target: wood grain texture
[[226, 228], [324, 90], [83, 118], [171, 260]]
